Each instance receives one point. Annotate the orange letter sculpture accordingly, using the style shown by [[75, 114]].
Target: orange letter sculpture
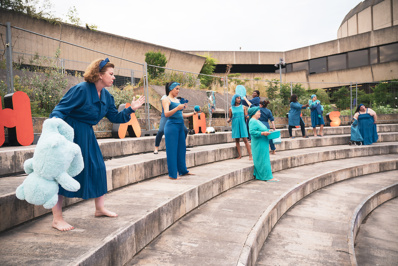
[[133, 127], [199, 123], [335, 118], [17, 117]]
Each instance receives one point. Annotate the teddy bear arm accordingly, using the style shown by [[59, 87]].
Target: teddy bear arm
[[68, 182], [19, 193], [28, 166], [77, 164]]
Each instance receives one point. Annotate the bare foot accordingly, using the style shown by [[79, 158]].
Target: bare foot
[[189, 173], [62, 226], [273, 152], [175, 178], [238, 157], [104, 212], [250, 158]]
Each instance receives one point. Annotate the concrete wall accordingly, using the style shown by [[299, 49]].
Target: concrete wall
[[242, 57], [369, 15], [76, 57]]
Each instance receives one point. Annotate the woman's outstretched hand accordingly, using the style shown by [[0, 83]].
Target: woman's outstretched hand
[[138, 103]]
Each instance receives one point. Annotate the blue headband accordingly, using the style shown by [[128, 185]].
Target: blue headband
[[103, 63], [361, 105], [312, 96], [173, 85]]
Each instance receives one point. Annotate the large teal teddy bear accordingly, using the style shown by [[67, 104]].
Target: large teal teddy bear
[[56, 160]]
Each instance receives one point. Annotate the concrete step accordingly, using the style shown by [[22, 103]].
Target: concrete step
[[127, 170], [315, 230], [215, 232], [147, 208], [377, 240], [12, 158]]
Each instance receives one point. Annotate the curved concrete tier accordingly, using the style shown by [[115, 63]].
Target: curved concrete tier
[[12, 158], [214, 233], [157, 204], [363, 210]]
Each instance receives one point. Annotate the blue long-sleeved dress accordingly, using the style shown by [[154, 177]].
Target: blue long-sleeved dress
[[294, 114], [81, 108]]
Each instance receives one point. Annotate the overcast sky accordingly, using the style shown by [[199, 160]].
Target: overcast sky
[[215, 25]]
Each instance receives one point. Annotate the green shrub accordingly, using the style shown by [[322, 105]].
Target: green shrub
[[155, 59], [207, 69]]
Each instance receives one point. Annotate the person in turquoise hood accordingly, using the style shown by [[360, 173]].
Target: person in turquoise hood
[[260, 146], [316, 115]]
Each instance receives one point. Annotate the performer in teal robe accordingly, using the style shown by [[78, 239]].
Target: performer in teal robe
[[260, 146]]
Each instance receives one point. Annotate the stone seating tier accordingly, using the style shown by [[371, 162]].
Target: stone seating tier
[[157, 202]]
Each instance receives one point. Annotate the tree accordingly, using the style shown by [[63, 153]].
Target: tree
[[342, 98], [207, 69], [155, 59], [72, 16]]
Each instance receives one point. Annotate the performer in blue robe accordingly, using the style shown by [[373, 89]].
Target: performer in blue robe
[[367, 119], [174, 132], [162, 123], [237, 114], [266, 115], [255, 101], [82, 107], [294, 115]]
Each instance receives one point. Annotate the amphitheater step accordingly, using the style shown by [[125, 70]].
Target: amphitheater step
[[12, 158], [377, 240], [145, 210], [215, 232], [315, 231]]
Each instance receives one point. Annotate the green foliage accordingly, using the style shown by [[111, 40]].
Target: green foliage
[[155, 59], [297, 89], [386, 93], [207, 69], [342, 98], [380, 109], [277, 108], [233, 78], [121, 96], [73, 17], [272, 89], [34, 8], [44, 85]]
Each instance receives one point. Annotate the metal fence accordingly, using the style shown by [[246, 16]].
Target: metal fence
[[136, 73]]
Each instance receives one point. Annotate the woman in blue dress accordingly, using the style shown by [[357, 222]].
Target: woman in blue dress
[[162, 123], [316, 115], [82, 107], [174, 131], [266, 115], [260, 145], [237, 114], [294, 115], [367, 119]]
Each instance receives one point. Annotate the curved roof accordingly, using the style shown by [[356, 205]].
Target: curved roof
[[361, 6]]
